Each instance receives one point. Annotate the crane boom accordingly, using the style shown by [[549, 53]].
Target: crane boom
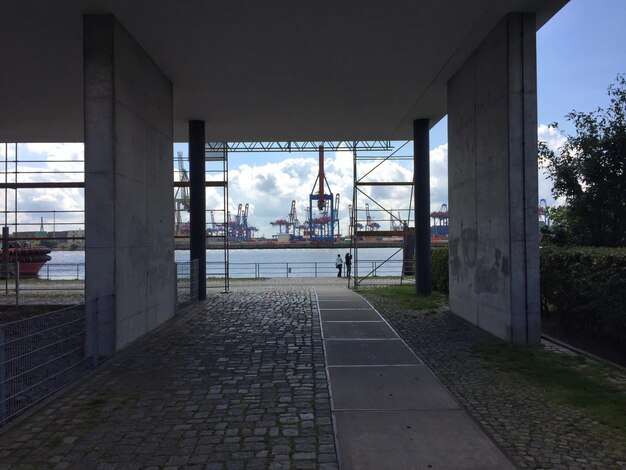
[[322, 178]]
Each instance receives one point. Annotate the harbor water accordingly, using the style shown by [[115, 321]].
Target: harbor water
[[305, 262]]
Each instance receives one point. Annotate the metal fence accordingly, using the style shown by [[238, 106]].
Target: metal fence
[[39, 354], [186, 283], [371, 268], [56, 284]]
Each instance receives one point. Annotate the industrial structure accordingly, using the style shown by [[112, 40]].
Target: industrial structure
[[439, 227], [238, 228], [130, 85], [323, 210]]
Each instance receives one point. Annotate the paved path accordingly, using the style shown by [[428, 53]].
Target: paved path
[[242, 383], [237, 384], [390, 411]]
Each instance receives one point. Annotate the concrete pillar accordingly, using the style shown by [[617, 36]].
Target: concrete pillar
[[129, 195], [492, 176], [197, 202], [421, 181]]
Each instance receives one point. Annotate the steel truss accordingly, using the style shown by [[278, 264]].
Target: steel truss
[[308, 146], [363, 224]]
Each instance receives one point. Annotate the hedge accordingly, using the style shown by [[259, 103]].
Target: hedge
[[439, 269], [583, 288]]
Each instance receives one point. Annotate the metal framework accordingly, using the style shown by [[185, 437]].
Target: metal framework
[[308, 146], [365, 221], [218, 234], [63, 225]]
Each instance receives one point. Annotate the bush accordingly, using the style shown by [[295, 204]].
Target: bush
[[585, 289], [439, 269]]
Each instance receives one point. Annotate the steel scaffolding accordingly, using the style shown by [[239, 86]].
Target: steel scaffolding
[[366, 221]]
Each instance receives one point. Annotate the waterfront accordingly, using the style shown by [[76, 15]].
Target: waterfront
[[316, 262]]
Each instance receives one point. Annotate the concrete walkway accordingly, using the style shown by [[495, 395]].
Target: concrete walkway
[[390, 411], [241, 383]]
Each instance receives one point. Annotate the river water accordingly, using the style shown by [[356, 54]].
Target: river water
[[301, 262]]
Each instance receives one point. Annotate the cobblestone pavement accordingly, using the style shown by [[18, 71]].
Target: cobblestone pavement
[[237, 384], [534, 433]]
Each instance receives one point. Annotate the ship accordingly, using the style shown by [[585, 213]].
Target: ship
[[30, 258]]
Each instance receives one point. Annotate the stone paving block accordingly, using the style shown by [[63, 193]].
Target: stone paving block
[[195, 392]]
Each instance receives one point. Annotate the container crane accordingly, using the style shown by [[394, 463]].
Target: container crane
[[181, 197], [323, 226]]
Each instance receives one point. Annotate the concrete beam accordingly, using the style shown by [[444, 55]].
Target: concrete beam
[[492, 176]]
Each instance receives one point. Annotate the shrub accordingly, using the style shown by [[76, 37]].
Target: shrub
[[585, 288], [439, 269]]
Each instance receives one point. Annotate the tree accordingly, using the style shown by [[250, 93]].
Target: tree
[[589, 171]]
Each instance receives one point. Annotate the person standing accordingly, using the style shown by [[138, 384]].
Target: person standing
[[338, 265], [348, 259]]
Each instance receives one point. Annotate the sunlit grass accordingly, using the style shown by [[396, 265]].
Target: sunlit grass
[[405, 296], [591, 387]]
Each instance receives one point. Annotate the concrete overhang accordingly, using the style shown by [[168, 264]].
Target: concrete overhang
[[254, 71]]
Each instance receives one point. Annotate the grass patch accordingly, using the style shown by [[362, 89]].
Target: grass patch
[[404, 296], [588, 386]]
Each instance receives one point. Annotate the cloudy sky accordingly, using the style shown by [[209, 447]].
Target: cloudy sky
[[579, 53]]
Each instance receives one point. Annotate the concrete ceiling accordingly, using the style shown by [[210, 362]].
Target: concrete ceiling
[[271, 70]]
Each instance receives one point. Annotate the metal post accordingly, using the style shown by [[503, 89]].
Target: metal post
[[176, 286], [194, 291], [5, 257], [197, 203], [17, 282], [3, 377], [92, 349], [421, 181]]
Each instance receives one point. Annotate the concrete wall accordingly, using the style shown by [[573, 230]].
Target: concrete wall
[[128, 185], [492, 175]]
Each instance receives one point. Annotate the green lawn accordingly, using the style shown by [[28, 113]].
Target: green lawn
[[596, 389], [404, 296]]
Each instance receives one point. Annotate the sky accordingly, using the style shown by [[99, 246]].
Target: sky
[[580, 52]]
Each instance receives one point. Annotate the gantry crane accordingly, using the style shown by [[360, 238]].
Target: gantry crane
[[181, 197]]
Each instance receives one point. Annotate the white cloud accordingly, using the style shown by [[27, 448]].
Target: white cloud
[[270, 187], [554, 140]]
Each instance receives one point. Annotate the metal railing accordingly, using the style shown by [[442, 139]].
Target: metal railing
[[56, 284], [40, 353], [377, 268]]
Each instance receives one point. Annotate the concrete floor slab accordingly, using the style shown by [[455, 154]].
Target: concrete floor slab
[[368, 352], [415, 440], [357, 329], [388, 388], [350, 315], [355, 302], [333, 289]]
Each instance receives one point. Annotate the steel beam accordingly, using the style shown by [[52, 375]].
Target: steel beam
[[421, 178], [197, 202]]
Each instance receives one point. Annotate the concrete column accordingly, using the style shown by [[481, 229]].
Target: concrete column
[[421, 180], [492, 176], [197, 202], [129, 195]]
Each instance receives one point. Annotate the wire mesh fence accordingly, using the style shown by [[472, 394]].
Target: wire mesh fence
[[39, 354], [186, 283]]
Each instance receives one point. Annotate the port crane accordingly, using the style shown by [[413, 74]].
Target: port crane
[[181, 197], [322, 227]]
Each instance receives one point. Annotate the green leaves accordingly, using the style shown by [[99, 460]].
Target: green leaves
[[589, 171]]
